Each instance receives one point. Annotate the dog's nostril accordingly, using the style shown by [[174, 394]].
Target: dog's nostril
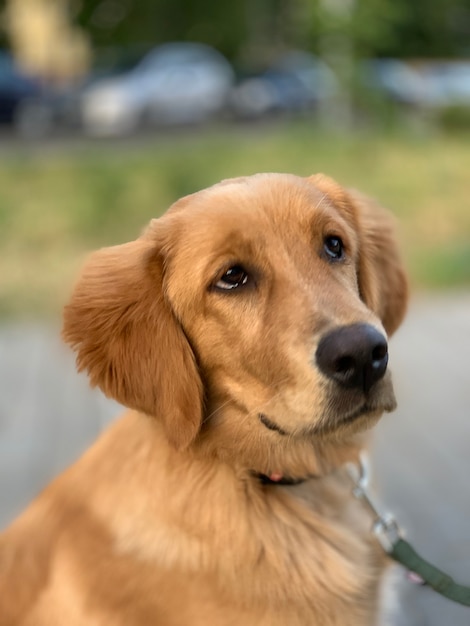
[[379, 352], [344, 365]]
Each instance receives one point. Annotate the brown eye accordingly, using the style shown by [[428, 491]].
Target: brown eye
[[334, 248], [233, 278]]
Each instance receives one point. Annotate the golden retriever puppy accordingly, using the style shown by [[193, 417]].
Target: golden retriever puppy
[[246, 330]]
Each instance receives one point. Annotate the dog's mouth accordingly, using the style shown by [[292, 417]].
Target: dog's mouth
[[362, 411], [361, 418], [270, 425], [329, 424]]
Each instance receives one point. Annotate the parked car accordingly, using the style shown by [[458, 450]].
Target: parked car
[[53, 110], [447, 83], [427, 84], [176, 83], [15, 88], [58, 108], [297, 81]]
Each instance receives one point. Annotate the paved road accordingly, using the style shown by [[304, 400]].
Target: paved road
[[421, 453]]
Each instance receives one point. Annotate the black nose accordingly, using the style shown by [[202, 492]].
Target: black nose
[[353, 356]]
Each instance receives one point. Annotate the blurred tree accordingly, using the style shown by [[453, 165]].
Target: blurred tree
[[259, 28], [148, 22], [370, 26], [43, 39], [343, 31], [432, 28]]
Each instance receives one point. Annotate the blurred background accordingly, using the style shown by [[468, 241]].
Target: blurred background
[[111, 109]]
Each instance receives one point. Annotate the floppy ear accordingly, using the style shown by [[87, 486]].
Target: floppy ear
[[381, 276], [129, 341]]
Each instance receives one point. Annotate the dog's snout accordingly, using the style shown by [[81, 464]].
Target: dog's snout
[[353, 356]]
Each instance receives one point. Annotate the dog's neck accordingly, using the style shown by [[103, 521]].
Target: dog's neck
[[280, 460]]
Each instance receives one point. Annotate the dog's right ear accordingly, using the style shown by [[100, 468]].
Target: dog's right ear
[[127, 338]]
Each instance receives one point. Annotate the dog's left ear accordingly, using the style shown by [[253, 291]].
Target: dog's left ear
[[129, 341], [382, 279]]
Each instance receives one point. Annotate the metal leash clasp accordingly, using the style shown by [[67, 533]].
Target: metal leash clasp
[[385, 526]]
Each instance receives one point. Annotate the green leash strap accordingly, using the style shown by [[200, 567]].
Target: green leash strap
[[405, 554], [389, 535]]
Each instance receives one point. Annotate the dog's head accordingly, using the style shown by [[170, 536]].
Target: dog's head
[[251, 319]]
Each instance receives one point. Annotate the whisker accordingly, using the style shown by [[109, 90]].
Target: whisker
[[217, 410], [322, 200], [254, 412]]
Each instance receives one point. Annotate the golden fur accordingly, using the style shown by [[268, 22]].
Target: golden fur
[[164, 520]]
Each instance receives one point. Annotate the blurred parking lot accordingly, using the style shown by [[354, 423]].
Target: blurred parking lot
[[182, 83]]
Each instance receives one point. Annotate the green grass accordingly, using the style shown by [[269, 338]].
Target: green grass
[[58, 202]]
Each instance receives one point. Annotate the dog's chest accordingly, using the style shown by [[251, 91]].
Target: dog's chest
[[297, 555], [311, 547]]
